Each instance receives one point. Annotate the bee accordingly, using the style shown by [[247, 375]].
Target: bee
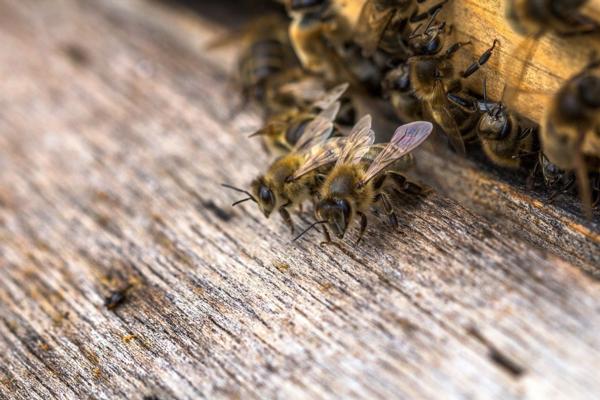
[[283, 130], [317, 31], [570, 126], [503, 136], [385, 24], [266, 53], [276, 190], [398, 90], [535, 18], [351, 188], [433, 77]]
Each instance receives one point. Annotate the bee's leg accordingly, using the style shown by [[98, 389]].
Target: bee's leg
[[403, 185], [531, 178], [433, 10], [471, 69], [285, 215], [363, 226], [328, 241], [467, 105], [388, 209], [454, 48]]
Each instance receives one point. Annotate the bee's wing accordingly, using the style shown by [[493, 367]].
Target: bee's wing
[[443, 117], [309, 89], [371, 25], [358, 142], [320, 155], [331, 96], [319, 129], [406, 139]]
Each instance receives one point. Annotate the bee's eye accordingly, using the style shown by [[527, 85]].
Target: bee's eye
[[589, 88], [266, 195]]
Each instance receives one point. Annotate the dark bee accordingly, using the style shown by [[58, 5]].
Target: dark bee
[[398, 90], [385, 24], [503, 136], [569, 130], [266, 54], [433, 77], [351, 188]]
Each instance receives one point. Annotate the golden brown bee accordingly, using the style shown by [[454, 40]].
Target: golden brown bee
[[385, 24], [535, 18], [433, 77], [276, 190], [319, 31], [283, 130], [351, 188], [570, 126], [503, 135]]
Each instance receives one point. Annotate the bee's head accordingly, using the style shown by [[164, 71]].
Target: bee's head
[[494, 124], [264, 195], [337, 213], [589, 91], [552, 174], [428, 44]]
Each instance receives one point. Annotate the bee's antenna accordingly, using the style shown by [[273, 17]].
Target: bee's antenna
[[314, 224], [242, 201], [241, 191]]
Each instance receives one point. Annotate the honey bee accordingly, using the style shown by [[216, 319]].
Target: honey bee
[[570, 126], [266, 53], [317, 31], [503, 136], [351, 188], [276, 190], [433, 77], [283, 130], [535, 18], [384, 24], [398, 90]]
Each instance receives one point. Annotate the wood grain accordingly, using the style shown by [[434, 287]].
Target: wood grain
[[114, 140]]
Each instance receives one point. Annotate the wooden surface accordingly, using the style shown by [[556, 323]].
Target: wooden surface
[[114, 138]]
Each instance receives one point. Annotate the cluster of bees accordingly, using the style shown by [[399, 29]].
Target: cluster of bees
[[311, 73]]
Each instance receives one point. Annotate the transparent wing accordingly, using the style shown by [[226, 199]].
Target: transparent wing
[[331, 96], [319, 156], [319, 129], [406, 139], [358, 141], [442, 115], [370, 26]]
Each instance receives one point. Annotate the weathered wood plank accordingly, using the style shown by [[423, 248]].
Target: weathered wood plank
[[110, 165]]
